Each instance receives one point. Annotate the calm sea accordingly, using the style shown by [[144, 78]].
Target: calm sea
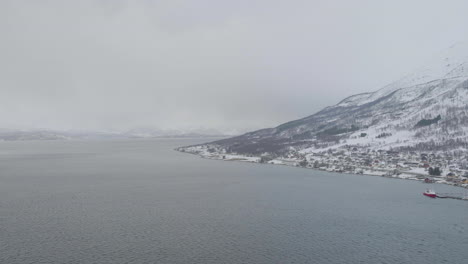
[[138, 201]]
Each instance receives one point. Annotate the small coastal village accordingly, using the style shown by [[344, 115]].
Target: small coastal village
[[442, 167]]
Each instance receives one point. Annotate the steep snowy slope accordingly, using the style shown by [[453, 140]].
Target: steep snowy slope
[[452, 63], [427, 109]]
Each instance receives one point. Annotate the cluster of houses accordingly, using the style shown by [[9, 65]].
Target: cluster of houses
[[432, 167], [439, 167]]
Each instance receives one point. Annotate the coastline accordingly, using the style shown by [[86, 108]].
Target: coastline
[[405, 175]]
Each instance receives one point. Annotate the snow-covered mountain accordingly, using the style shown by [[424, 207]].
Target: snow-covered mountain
[[161, 133], [425, 110], [48, 134]]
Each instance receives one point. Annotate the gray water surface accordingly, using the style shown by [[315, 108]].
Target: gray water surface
[[138, 201]]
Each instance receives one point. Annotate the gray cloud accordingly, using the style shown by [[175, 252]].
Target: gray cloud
[[233, 65]]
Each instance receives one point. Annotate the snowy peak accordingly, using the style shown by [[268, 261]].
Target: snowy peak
[[449, 64]]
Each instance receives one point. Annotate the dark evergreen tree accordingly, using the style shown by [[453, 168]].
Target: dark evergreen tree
[[435, 171], [303, 163]]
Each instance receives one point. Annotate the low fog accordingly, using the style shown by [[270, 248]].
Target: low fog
[[233, 66]]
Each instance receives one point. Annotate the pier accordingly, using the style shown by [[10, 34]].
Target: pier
[[457, 196]]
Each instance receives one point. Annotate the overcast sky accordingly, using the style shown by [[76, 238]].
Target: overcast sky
[[229, 65]]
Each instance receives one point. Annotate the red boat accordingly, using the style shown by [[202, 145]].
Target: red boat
[[430, 193]]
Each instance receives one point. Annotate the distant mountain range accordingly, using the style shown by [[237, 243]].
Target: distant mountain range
[[425, 110], [45, 134]]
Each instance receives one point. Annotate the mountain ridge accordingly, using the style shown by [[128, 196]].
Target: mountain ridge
[[383, 119]]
